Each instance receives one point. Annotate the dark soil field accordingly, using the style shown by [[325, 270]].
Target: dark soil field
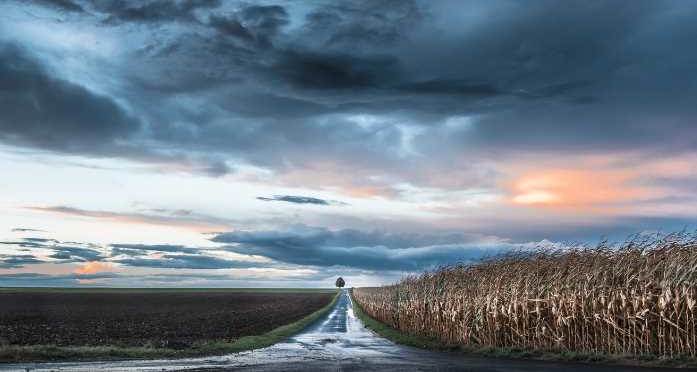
[[171, 319]]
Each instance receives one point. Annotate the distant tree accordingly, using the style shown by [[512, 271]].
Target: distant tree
[[340, 282]]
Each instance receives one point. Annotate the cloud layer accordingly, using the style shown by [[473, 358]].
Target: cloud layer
[[369, 136], [299, 246], [282, 84], [363, 250]]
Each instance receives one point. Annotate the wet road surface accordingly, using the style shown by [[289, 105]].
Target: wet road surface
[[338, 342]]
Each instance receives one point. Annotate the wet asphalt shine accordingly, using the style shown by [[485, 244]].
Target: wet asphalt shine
[[338, 342]]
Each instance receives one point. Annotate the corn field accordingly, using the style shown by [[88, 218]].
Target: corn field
[[634, 298]]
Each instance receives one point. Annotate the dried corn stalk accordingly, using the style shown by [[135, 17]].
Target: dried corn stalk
[[637, 298]]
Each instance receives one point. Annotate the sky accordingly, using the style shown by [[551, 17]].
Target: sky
[[208, 143]]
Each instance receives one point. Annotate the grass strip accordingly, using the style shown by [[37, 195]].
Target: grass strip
[[421, 342], [52, 353]]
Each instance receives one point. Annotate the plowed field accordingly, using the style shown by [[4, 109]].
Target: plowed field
[[174, 319]]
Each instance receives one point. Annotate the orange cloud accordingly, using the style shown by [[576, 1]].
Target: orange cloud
[[604, 184], [94, 267], [578, 188]]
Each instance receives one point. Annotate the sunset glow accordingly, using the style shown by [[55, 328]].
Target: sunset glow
[[576, 188], [94, 267]]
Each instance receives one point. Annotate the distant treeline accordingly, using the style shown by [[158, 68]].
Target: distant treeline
[[635, 298]]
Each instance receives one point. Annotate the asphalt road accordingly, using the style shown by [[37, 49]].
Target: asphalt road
[[338, 342]]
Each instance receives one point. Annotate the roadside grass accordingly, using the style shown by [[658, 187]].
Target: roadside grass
[[402, 338], [52, 353]]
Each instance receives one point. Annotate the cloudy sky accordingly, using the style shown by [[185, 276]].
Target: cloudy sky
[[283, 143]]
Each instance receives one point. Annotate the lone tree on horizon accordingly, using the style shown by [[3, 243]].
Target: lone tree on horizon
[[340, 282]]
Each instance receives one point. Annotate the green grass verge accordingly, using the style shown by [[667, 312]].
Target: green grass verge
[[43, 353], [402, 338]]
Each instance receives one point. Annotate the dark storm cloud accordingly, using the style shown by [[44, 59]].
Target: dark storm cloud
[[345, 237], [275, 84], [300, 200], [175, 257], [64, 251], [187, 261], [365, 250], [140, 249], [256, 105], [363, 22], [41, 240], [529, 79], [66, 5], [77, 254], [254, 24], [32, 242], [335, 71], [154, 11], [17, 261], [451, 87], [135, 255], [231, 27], [23, 244], [40, 110]]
